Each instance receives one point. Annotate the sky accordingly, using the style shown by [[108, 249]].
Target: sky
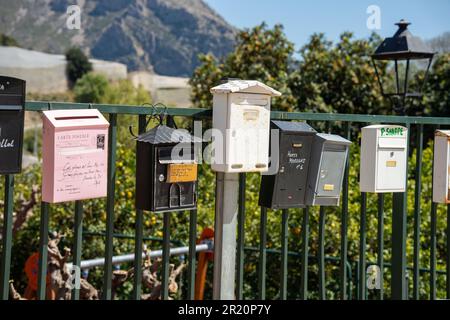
[[302, 18]]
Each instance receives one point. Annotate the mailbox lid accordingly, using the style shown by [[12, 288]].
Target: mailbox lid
[[76, 118], [388, 130], [247, 86], [293, 127]]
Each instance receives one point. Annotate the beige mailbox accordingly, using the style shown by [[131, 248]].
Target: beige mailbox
[[241, 126], [441, 167], [383, 158]]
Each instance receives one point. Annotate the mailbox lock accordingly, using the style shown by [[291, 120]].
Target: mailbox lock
[[161, 178], [392, 154]]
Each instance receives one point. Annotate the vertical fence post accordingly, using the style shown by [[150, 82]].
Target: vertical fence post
[[417, 211], [284, 253], [262, 255], [399, 211], [362, 247], [107, 277], [138, 242], [77, 245], [448, 254], [241, 238], [227, 190], [7, 237], [304, 255], [43, 251], [166, 257], [433, 223], [321, 254], [380, 236], [344, 223], [192, 253]]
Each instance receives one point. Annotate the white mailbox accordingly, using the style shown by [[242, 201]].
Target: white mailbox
[[383, 158], [241, 123], [441, 167]]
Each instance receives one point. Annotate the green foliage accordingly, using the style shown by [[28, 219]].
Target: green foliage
[[8, 41], [260, 54], [91, 88], [77, 64], [95, 88]]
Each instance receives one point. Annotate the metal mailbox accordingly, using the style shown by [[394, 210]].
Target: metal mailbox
[[75, 155], [383, 158], [12, 102], [326, 169], [286, 188], [241, 122], [441, 167], [166, 173]]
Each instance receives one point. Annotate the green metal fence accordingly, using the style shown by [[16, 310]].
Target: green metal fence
[[351, 275]]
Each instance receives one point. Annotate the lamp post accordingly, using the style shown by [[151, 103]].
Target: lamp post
[[402, 49]]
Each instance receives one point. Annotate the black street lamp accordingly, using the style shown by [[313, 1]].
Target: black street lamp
[[402, 49]]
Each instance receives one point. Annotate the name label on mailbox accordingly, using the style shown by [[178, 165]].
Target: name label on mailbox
[[392, 132], [181, 173]]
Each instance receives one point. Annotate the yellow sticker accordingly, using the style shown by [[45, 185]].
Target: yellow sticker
[[297, 145], [181, 173], [328, 187], [391, 163]]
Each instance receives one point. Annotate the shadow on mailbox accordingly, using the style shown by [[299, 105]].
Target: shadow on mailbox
[[326, 170], [166, 173], [12, 102], [286, 189]]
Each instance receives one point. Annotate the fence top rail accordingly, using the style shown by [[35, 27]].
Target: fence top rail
[[206, 113]]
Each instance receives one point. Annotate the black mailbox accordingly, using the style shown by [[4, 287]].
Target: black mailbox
[[12, 103], [166, 173], [286, 189]]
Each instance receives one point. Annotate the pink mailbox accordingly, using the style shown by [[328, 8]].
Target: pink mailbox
[[75, 155]]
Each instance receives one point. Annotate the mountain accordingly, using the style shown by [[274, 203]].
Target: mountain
[[163, 36]]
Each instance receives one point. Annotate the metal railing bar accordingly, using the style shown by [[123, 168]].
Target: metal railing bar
[[344, 222], [77, 245], [139, 234], [192, 253], [433, 222], [284, 253], [241, 238], [321, 254], [197, 112], [111, 187], [304, 255], [165, 257], [362, 247], [5, 267], [43, 251], [262, 255], [417, 211], [380, 236]]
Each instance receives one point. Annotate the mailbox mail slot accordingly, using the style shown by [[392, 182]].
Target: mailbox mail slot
[[166, 172], [286, 189], [241, 119], [326, 169], [75, 155], [441, 167], [383, 158], [12, 102]]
